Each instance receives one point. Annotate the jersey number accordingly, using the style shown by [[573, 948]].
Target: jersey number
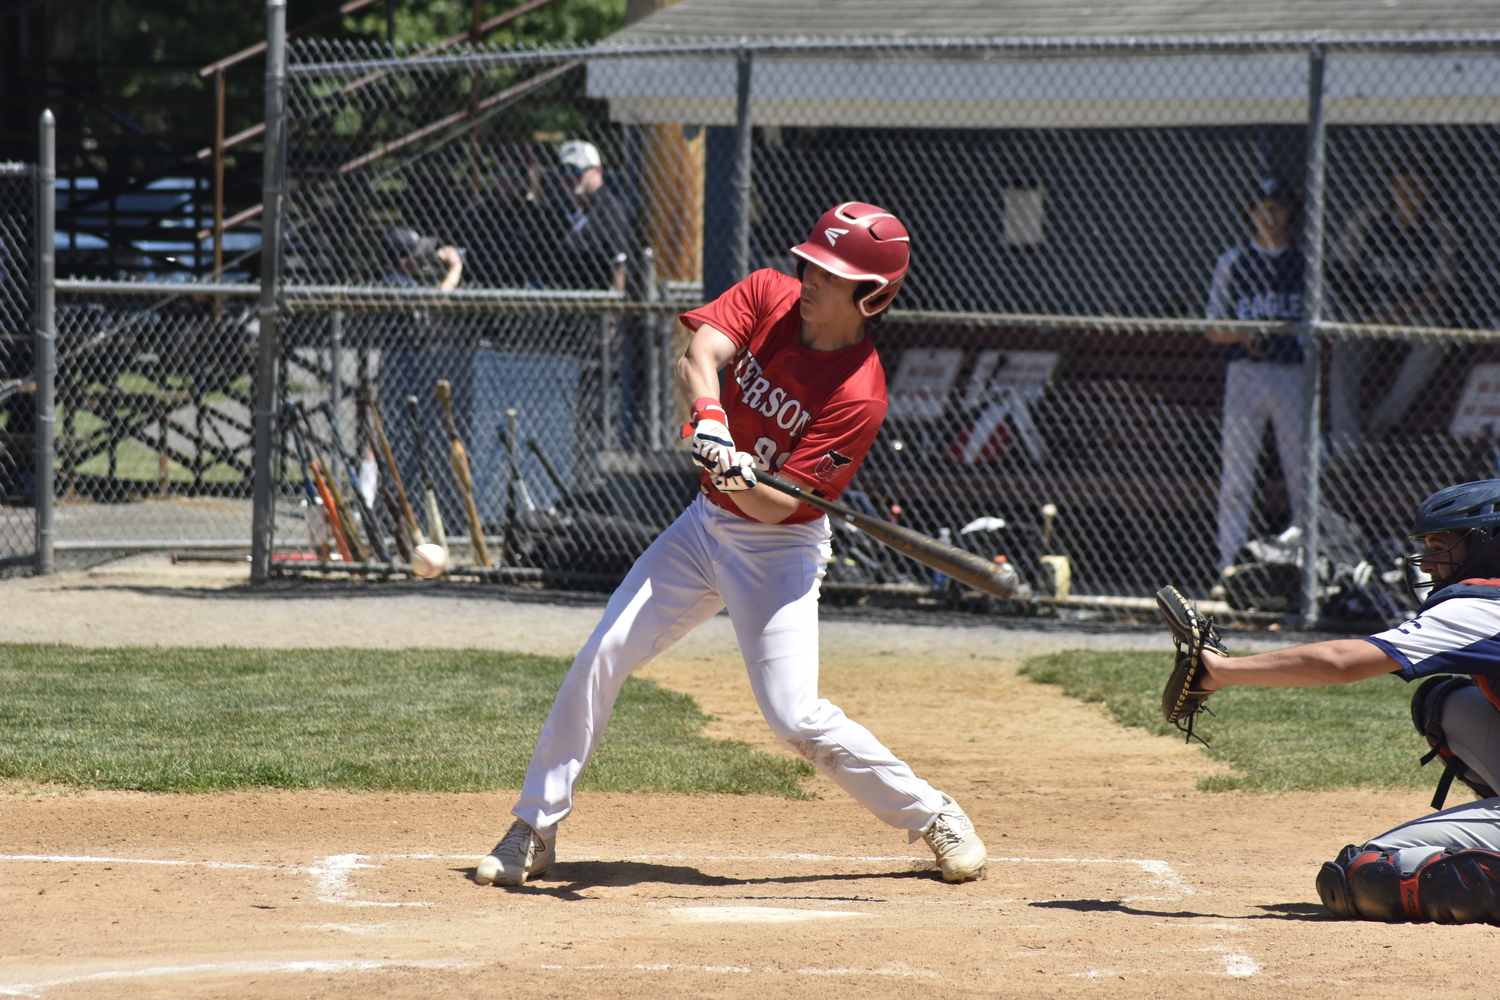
[[766, 457]]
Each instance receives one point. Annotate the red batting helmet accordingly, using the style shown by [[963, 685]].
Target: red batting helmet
[[862, 243]]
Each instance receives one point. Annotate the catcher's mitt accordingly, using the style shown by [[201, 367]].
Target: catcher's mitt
[[1193, 633]]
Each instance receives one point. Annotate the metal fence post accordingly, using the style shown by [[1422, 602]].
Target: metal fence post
[[1312, 341], [606, 382], [650, 326], [45, 362], [740, 241], [262, 527], [336, 359]]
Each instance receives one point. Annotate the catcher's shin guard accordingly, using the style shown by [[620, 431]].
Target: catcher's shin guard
[[1462, 887], [1427, 716], [1367, 885]]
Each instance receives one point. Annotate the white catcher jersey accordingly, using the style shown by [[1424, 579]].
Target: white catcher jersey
[[1460, 635]]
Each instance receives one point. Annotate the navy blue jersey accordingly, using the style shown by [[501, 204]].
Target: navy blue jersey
[[1253, 283]]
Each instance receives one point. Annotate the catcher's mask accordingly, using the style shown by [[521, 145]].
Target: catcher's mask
[[1469, 514]]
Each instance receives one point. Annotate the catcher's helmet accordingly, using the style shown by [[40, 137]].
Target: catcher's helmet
[[863, 243], [1471, 511]]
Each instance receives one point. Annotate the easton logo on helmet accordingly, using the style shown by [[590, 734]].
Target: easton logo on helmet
[[833, 235]]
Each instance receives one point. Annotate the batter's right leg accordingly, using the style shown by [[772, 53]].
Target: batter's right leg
[[665, 596]]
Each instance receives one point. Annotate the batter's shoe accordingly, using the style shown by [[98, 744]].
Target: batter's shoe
[[960, 853], [520, 854]]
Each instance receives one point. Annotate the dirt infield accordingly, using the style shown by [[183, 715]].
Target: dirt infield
[[1109, 875]]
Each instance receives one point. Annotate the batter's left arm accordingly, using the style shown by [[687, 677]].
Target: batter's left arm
[[708, 352]]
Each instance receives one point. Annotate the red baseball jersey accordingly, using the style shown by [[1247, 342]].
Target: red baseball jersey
[[810, 414]]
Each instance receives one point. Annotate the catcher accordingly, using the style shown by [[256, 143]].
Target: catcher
[[1444, 867]]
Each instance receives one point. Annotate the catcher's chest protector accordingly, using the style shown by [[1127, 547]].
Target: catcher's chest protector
[[1427, 716]]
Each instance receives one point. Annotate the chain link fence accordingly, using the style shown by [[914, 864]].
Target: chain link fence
[[1101, 365], [17, 417], [1096, 365], [153, 419]]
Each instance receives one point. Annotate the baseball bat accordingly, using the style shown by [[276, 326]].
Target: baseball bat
[[999, 580], [508, 437], [340, 536], [366, 515], [330, 484], [458, 456], [429, 498], [405, 540], [320, 529], [547, 466], [390, 463]]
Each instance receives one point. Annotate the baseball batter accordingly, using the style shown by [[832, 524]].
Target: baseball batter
[[803, 394], [1444, 867]]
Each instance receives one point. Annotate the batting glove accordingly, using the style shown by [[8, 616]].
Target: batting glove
[[713, 446], [740, 477]]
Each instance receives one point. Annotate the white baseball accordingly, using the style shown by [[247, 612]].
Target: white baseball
[[429, 561]]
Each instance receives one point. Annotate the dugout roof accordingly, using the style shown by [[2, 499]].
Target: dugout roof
[[1063, 86]]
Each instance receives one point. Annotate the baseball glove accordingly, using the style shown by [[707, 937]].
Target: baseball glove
[[1193, 633]]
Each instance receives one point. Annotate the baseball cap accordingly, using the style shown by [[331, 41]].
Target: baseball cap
[[406, 243], [1273, 189], [579, 154]]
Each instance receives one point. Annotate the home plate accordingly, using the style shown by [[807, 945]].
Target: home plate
[[756, 914]]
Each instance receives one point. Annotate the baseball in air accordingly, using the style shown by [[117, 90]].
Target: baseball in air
[[429, 561]]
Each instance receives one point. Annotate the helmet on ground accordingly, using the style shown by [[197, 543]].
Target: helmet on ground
[[863, 243], [1470, 511]]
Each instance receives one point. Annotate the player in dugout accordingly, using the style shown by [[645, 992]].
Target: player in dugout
[[1444, 867], [804, 395]]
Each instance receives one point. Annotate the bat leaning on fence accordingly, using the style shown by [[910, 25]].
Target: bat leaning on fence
[[378, 426], [349, 544], [366, 515], [998, 579], [386, 476], [429, 498], [458, 455], [322, 528]]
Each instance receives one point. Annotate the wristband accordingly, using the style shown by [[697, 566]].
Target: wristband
[[710, 408]]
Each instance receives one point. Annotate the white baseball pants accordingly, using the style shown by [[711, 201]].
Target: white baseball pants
[[1255, 392], [768, 576]]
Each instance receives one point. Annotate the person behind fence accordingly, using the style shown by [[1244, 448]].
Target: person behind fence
[[780, 373], [1444, 867], [1393, 263], [1259, 280], [584, 231], [498, 230], [416, 261]]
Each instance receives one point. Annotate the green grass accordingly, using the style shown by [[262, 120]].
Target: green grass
[[1275, 739], [197, 720]]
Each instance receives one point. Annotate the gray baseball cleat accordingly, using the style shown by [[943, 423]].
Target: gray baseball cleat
[[520, 854], [960, 853]]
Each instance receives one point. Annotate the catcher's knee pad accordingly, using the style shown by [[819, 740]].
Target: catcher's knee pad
[[1367, 885], [1427, 716], [1461, 887]]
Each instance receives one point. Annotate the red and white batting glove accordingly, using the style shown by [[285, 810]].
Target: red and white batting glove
[[713, 447], [740, 477]]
